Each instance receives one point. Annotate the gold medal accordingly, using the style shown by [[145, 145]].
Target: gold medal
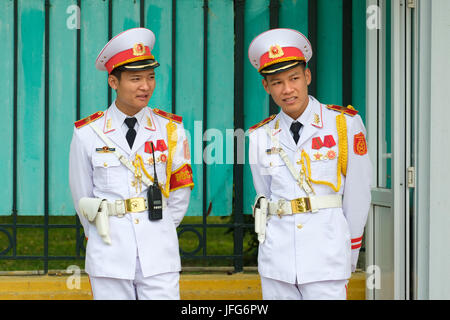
[[317, 156], [331, 154]]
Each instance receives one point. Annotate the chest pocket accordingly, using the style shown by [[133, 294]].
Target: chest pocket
[[323, 168], [274, 164], [106, 170], [281, 178], [324, 164]]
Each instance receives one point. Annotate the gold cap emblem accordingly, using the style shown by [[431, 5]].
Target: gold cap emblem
[[275, 52], [138, 49]]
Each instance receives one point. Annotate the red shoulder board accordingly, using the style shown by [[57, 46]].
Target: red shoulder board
[[168, 115], [347, 110], [267, 120], [87, 120]]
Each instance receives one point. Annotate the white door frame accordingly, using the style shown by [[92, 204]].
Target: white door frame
[[393, 199]]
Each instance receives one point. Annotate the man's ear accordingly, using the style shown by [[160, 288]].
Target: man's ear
[[308, 76], [265, 85], [113, 81]]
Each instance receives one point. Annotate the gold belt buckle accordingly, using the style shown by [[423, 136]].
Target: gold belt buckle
[[135, 204], [301, 205]]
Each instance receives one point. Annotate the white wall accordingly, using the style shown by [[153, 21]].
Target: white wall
[[439, 214]]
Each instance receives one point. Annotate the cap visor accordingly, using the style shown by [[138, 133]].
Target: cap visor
[[280, 67], [141, 66]]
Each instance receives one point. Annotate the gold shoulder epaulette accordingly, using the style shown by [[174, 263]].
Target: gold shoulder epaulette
[[168, 115], [260, 124], [87, 120], [347, 110]]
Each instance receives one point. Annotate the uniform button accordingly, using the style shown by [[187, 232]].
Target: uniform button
[[136, 221], [299, 226], [105, 164]]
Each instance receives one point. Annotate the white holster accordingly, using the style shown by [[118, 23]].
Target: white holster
[[96, 211], [260, 215]]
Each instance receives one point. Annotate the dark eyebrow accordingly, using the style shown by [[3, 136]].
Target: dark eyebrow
[[295, 73], [141, 75]]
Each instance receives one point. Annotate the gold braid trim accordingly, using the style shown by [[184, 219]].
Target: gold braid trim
[[308, 173], [172, 138], [341, 124], [139, 163]]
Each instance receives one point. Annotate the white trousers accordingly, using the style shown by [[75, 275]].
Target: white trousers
[[322, 290], [164, 286]]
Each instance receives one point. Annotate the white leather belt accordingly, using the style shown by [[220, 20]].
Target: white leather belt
[[304, 205], [121, 207]]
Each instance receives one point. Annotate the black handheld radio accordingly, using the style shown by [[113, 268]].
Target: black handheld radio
[[154, 196]]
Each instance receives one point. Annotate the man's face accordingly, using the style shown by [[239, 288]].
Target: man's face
[[134, 90], [289, 90]]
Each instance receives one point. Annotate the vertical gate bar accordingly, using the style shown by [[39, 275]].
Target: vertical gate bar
[[347, 41], [14, 200], [174, 55], [274, 10], [110, 22], [238, 168], [78, 85], [78, 116], [312, 37], [274, 22], [46, 131], [205, 116], [142, 14]]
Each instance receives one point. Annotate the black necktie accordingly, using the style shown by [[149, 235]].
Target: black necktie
[[295, 129], [131, 134]]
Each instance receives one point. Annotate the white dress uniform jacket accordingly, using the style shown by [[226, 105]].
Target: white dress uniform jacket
[[311, 247], [102, 175]]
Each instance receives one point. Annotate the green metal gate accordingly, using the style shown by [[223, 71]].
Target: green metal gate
[[48, 49]]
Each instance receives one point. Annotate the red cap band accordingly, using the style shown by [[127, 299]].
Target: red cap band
[[127, 56], [288, 54]]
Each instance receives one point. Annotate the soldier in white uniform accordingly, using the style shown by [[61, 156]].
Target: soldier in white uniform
[[312, 175], [113, 156]]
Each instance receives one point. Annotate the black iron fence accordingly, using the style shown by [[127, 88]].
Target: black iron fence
[[10, 242], [239, 223]]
